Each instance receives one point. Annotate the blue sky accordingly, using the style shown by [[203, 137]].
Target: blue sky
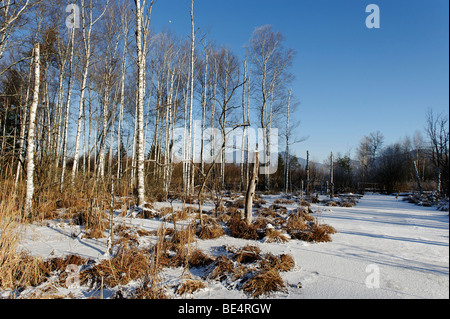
[[349, 80]]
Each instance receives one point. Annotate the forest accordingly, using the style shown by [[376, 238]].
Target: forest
[[100, 103]]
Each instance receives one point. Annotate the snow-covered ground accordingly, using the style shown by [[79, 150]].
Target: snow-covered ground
[[384, 248]]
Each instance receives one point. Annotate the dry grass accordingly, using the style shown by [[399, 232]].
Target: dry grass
[[18, 269], [283, 201], [332, 204], [246, 268], [264, 283], [316, 233], [267, 212], [149, 290], [239, 227], [190, 286], [128, 264], [304, 203], [275, 236], [223, 266], [247, 255], [210, 231], [295, 223], [199, 259], [282, 262], [348, 203]]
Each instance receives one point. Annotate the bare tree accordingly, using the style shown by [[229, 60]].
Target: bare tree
[[143, 14], [368, 149], [271, 62], [11, 12], [251, 190], [438, 134], [87, 21]]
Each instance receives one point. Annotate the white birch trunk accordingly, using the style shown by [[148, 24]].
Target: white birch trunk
[[287, 157], [122, 101], [22, 133], [141, 32], [87, 48], [251, 190], [244, 131], [66, 120], [190, 151], [31, 133]]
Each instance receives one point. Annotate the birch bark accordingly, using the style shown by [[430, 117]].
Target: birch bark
[[31, 133]]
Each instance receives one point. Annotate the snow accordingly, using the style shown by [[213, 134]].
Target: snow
[[384, 248]]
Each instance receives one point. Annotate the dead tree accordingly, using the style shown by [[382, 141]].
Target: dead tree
[[251, 190]]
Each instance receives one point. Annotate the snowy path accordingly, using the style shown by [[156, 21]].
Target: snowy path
[[408, 244]]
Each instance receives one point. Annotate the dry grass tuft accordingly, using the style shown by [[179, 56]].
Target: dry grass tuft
[[332, 204], [347, 203], [189, 287], [149, 290], [247, 255], [316, 233], [282, 262], [264, 283], [283, 201], [128, 264], [239, 227], [61, 263], [223, 266], [22, 270], [17, 269], [295, 223], [275, 236], [210, 230], [199, 259]]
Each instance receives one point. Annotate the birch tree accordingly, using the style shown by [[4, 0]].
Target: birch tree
[[87, 23], [286, 154], [142, 31], [67, 110], [31, 133], [438, 135], [11, 11], [271, 62], [125, 29]]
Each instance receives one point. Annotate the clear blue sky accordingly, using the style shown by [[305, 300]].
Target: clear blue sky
[[350, 80]]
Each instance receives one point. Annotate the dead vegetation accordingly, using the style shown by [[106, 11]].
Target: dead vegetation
[[189, 287], [248, 269], [251, 271], [264, 283]]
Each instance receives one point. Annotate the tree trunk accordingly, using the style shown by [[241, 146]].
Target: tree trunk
[[417, 177], [190, 167], [66, 119], [31, 133], [287, 159], [141, 43], [331, 176], [251, 190], [307, 174]]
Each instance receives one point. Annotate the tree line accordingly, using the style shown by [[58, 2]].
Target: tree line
[[417, 163], [89, 93]]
